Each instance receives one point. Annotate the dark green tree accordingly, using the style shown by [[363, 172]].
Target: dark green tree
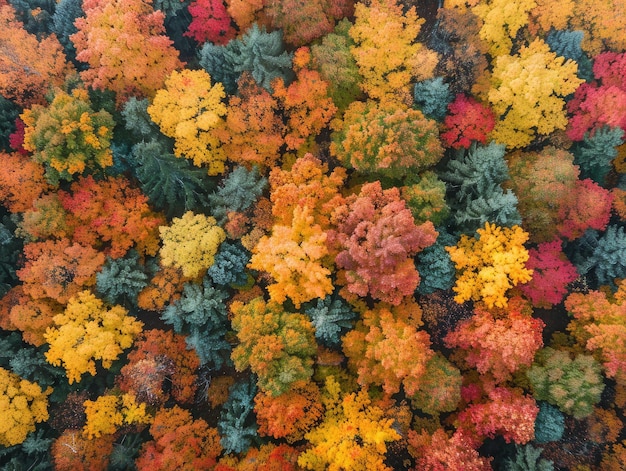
[[201, 315], [237, 192], [237, 423], [262, 54], [476, 197], [121, 279], [173, 185], [331, 317], [432, 97]]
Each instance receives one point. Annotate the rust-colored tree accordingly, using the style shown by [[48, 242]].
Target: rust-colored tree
[[289, 415], [307, 184], [180, 442], [253, 131], [499, 343], [28, 67], [305, 102], [111, 216], [159, 367], [303, 22], [386, 349], [59, 269], [22, 181]]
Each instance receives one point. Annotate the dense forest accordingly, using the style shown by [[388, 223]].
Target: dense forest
[[350, 235]]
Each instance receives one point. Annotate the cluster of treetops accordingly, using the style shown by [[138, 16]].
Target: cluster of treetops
[[312, 235]]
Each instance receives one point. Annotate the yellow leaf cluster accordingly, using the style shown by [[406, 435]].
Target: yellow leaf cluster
[[527, 93], [385, 50], [352, 436], [488, 266], [188, 110], [502, 19], [108, 412], [87, 331], [22, 405], [190, 243], [294, 257]]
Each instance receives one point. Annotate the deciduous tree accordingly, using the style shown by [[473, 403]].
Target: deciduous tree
[[289, 415], [28, 67], [253, 131], [527, 93], [124, 45], [489, 264], [574, 385], [376, 240], [386, 51], [111, 216], [303, 22], [296, 257], [188, 109], [353, 434], [305, 102], [276, 345], [68, 136], [190, 243], [22, 182], [109, 412], [180, 442], [59, 269], [386, 138], [88, 331], [23, 404], [159, 367], [468, 120], [552, 272], [502, 19], [386, 349], [599, 326], [499, 343], [210, 22]]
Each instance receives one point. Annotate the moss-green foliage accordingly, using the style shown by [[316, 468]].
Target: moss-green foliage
[[574, 385], [173, 185], [440, 389], [425, 195], [336, 64]]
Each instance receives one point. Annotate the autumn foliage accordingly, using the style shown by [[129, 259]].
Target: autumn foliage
[[489, 264], [368, 263], [354, 235], [123, 44]]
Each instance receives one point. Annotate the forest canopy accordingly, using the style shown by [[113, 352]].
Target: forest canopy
[[349, 235]]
